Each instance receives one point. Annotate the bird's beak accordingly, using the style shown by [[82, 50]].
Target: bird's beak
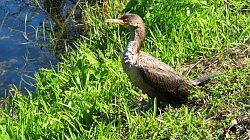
[[116, 21]]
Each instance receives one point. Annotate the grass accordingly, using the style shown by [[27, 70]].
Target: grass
[[88, 96]]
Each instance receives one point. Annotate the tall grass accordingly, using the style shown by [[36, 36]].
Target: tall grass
[[88, 96]]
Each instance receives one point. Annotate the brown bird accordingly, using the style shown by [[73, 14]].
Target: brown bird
[[155, 78]]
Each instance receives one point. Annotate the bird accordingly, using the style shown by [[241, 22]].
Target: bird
[[155, 78]]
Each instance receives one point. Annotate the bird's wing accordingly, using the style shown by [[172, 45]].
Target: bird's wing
[[161, 76], [145, 59]]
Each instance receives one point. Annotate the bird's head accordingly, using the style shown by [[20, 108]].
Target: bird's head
[[129, 20]]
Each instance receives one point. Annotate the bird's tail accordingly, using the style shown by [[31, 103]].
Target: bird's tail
[[203, 79]]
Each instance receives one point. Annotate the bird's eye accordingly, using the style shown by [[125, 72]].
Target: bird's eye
[[125, 20]]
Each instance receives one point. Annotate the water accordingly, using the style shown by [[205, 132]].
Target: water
[[19, 56]]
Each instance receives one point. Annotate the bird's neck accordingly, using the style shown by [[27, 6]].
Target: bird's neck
[[137, 38], [134, 45]]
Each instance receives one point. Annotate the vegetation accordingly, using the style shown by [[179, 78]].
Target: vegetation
[[88, 96]]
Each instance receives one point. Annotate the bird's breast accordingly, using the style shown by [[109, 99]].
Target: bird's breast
[[130, 55], [129, 63]]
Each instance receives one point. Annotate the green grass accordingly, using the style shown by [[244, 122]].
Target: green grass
[[88, 96]]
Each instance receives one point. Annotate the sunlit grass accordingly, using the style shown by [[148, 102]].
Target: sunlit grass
[[88, 96]]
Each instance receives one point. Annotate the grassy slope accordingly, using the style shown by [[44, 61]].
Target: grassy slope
[[89, 96]]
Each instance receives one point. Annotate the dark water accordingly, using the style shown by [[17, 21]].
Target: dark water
[[20, 57]]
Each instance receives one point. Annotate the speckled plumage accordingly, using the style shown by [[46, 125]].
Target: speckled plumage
[[154, 77]]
